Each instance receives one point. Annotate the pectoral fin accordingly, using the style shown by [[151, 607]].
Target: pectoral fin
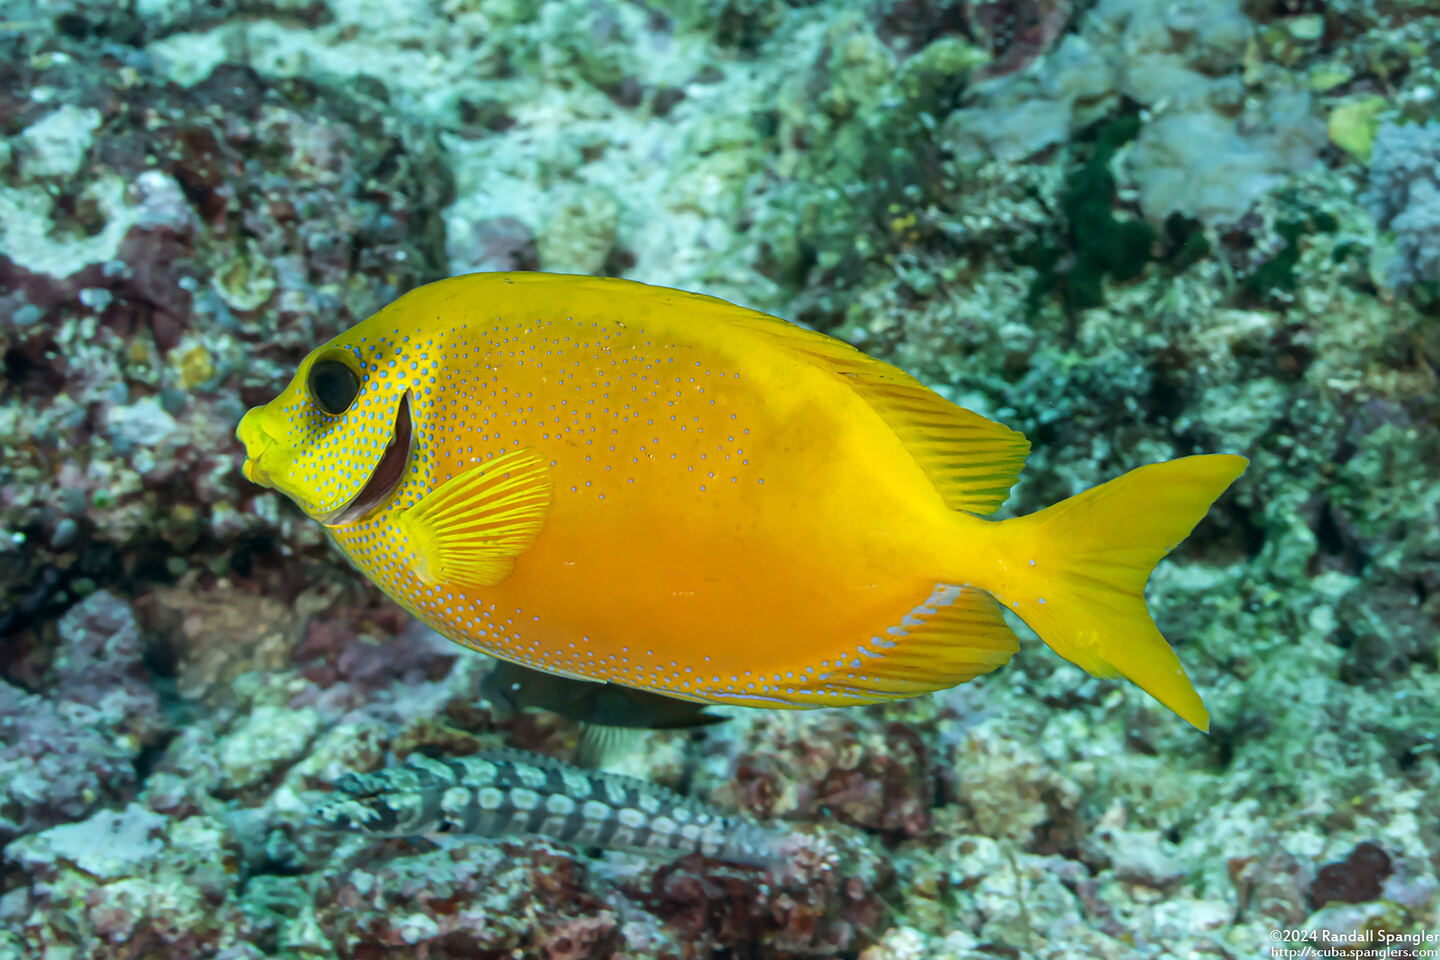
[[469, 530]]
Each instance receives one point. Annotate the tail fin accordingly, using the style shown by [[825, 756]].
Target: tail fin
[[1076, 572]]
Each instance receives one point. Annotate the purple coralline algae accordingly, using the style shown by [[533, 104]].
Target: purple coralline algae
[[73, 748], [165, 254]]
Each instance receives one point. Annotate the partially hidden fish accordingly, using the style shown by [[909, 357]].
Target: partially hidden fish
[[510, 794], [511, 688], [634, 485], [611, 717]]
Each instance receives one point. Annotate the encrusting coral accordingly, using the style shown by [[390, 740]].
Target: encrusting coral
[[1404, 196]]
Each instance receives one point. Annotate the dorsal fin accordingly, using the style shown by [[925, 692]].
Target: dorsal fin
[[972, 461]]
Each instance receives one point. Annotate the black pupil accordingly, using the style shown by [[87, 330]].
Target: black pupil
[[333, 385]]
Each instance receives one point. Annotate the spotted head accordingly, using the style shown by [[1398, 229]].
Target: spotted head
[[338, 438]]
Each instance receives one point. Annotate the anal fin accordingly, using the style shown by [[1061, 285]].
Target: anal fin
[[954, 636]]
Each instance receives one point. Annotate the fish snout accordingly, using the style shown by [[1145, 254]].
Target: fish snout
[[251, 433]]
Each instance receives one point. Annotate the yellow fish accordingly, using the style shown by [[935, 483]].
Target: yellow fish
[[629, 484]]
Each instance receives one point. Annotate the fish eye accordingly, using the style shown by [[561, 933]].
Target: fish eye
[[333, 385]]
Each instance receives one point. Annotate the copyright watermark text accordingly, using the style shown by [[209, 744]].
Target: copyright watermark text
[[1301, 944]]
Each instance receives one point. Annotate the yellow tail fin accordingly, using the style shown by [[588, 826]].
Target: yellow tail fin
[[1076, 572]]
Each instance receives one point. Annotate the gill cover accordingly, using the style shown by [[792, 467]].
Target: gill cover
[[342, 422]]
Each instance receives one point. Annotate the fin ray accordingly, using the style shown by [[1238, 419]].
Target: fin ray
[[600, 746], [469, 530], [961, 635]]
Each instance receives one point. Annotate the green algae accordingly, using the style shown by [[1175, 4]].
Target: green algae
[[1099, 246]]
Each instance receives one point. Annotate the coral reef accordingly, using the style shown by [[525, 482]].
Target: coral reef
[[167, 254], [1404, 196], [74, 747], [1133, 229], [1184, 61]]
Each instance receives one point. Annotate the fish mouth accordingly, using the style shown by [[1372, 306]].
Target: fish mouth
[[251, 433], [386, 477]]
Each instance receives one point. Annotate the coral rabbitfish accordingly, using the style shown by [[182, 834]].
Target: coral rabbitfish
[[629, 484]]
